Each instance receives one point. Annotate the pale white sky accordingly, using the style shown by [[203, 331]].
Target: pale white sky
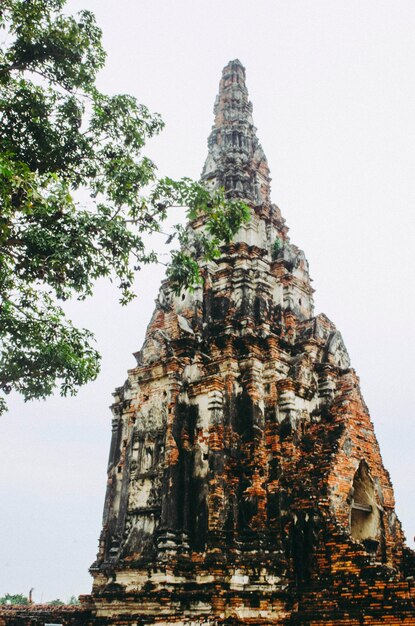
[[332, 85]]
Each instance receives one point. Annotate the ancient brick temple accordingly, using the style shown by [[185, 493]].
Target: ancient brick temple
[[245, 482]]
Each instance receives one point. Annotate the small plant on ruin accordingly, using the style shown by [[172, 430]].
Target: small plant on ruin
[[276, 248]]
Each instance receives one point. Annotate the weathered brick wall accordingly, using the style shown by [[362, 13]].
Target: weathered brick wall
[[39, 615]]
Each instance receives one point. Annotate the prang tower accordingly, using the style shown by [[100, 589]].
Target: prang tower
[[245, 482]]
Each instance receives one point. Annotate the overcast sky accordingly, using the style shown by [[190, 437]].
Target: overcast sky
[[332, 84]]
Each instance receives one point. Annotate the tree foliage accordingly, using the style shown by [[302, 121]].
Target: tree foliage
[[14, 598], [61, 137], [56, 602], [73, 601]]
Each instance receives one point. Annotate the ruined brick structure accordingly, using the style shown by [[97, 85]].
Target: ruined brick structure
[[245, 482]]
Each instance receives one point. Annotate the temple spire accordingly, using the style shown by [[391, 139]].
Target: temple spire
[[236, 160]]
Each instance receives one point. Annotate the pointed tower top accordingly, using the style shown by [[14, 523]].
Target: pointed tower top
[[235, 69], [235, 159]]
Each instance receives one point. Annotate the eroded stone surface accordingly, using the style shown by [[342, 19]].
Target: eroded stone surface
[[245, 482]]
